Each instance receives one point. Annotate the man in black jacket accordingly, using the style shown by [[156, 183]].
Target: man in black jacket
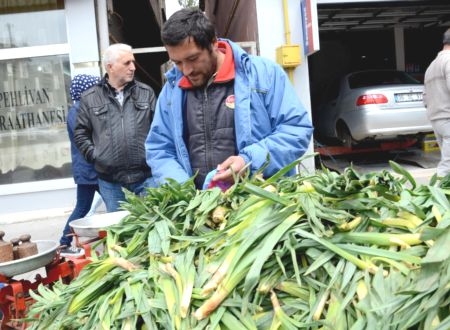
[[112, 125]]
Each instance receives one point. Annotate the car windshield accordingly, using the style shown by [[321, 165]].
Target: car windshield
[[372, 78]]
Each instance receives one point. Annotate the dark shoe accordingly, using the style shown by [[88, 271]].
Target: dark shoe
[[71, 251]]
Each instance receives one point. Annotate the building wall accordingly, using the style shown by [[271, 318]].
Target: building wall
[[273, 35], [82, 36]]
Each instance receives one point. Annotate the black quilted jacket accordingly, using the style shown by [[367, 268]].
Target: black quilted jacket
[[112, 136]]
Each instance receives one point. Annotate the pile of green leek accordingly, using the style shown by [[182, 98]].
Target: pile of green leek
[[321, 251]]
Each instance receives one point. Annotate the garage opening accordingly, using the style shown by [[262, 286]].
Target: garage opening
[[375, 35]]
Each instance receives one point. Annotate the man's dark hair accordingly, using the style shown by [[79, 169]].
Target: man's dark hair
[[188, 22]]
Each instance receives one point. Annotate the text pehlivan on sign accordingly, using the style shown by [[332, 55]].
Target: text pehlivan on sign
[[34, 143]]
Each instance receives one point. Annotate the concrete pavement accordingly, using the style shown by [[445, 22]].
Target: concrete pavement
[[41, 225]]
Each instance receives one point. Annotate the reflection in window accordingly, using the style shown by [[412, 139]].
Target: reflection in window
[[49, 27], [33, 107]]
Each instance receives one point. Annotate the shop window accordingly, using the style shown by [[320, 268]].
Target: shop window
[[34, 80], [48, 27], [33, 109]]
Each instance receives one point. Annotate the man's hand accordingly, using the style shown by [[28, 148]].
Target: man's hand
[[233, 164]]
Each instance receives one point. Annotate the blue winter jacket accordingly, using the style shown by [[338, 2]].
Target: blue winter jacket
[[83, 172], [269, 120]]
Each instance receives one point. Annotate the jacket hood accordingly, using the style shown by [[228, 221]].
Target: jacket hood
[[80, 83]]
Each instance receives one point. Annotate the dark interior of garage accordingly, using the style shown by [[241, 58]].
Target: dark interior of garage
[[360, 36], [137, 25], [344, 52]]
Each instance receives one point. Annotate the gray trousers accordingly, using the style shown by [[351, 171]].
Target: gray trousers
[[441, 129]]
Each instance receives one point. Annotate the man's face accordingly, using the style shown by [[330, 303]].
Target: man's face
[[122, 71], [198, 65]]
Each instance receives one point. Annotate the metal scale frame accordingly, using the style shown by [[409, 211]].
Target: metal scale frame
[[14, 296]]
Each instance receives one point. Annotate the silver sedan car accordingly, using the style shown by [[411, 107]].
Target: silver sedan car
[[373, 105]]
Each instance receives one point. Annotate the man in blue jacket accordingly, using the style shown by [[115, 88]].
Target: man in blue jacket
[[221, 109]]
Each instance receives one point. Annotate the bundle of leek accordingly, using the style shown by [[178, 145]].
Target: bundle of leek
[[322, 251]]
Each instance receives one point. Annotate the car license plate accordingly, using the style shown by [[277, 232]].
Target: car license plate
[[408, 97]]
